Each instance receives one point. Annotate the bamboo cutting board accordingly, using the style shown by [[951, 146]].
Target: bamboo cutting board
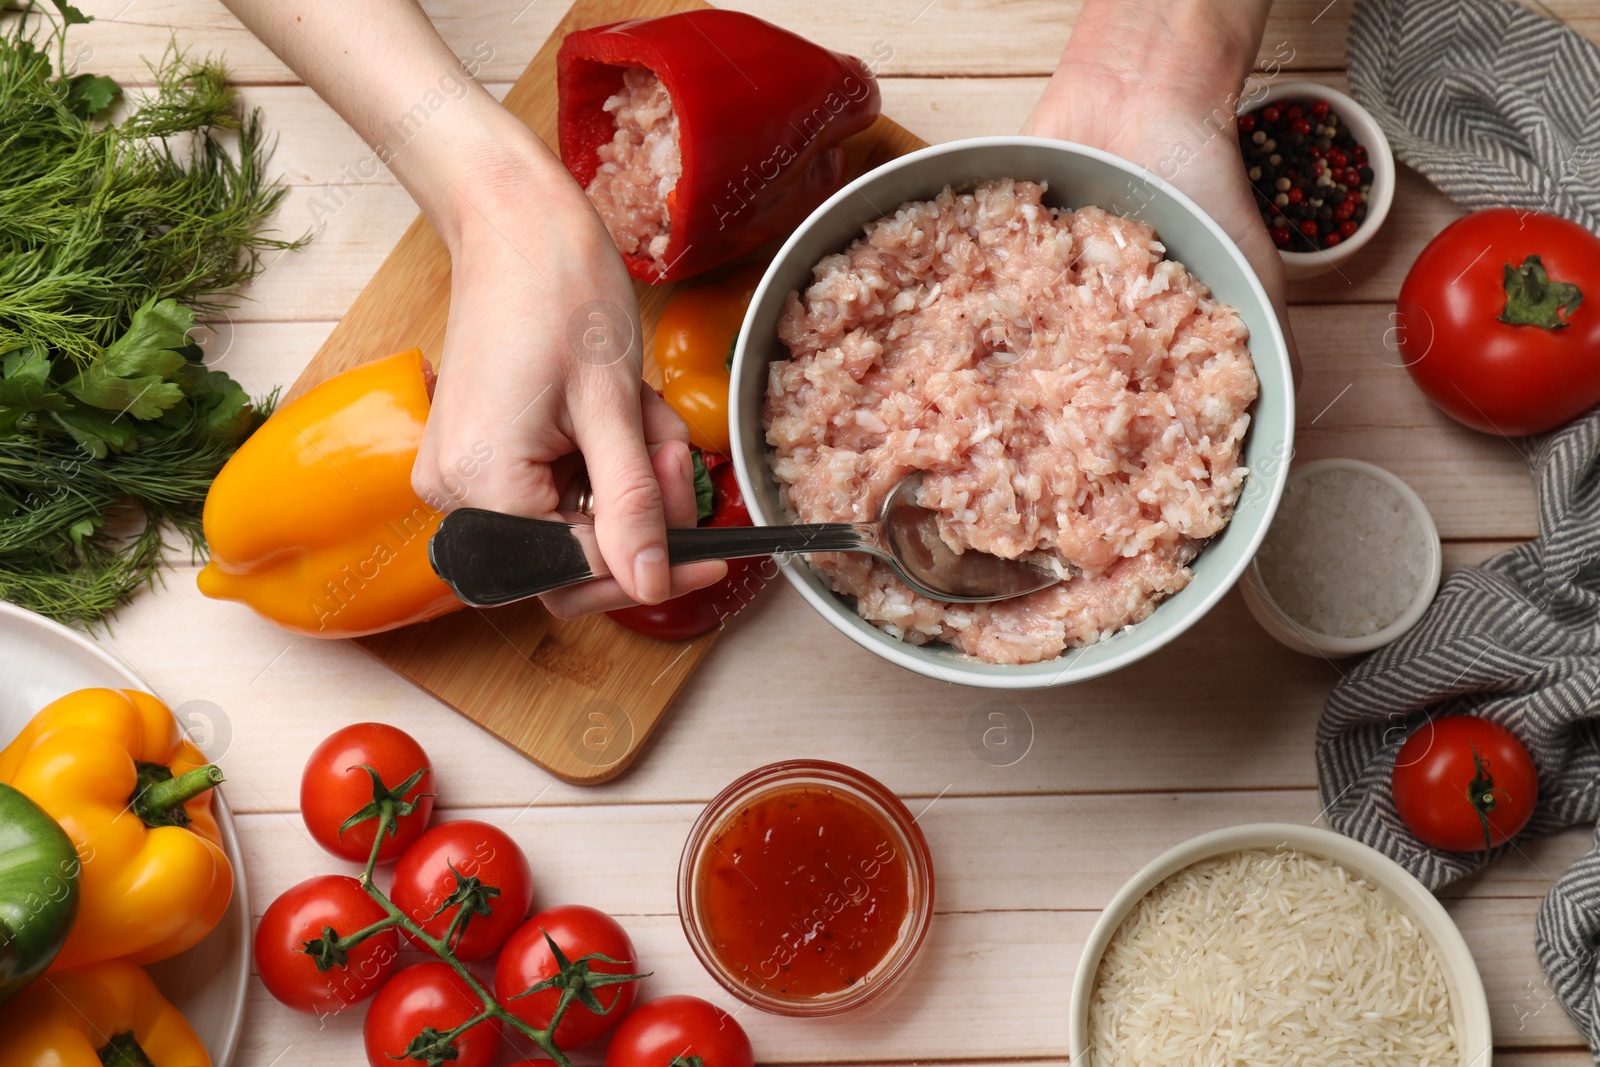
[[579, 698]]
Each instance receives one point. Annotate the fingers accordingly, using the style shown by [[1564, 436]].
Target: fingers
[[452, 472], [675, 472], [661, 423], [480, 436], [674, 469], [629, 506], [606, 595]]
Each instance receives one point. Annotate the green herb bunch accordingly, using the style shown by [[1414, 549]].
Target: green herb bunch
[[113, 236]]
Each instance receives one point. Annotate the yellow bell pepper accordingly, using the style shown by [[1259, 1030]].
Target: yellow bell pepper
[[109, 1013], [111, 766], [313, 522]]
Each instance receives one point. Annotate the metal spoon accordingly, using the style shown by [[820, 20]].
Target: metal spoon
[[488, 558]]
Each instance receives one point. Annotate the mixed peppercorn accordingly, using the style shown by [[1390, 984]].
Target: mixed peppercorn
[[1310, 176]]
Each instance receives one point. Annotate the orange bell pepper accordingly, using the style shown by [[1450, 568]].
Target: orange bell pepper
[[111, 766], [110, 1013], [693, 346], [313, 522]]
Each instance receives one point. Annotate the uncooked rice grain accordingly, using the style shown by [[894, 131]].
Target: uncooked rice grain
[[1269, 957]]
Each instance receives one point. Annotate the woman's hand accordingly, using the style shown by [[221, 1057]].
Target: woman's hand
[[542, 361], [1157, 83]]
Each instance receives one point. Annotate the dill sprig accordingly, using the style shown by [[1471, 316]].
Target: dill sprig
[[113, 235]]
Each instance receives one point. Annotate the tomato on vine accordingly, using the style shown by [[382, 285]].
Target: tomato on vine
[[1464, 784], [467, 883], [597, 944], [420, 1017], [458, 892], [339, 798], [679, 1032], [300, 963]]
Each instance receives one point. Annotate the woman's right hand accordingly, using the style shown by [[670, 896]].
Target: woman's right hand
[[541, 382]]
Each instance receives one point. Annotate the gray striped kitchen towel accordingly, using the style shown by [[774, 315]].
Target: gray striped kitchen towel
[[1515, 640], [1494, 103]]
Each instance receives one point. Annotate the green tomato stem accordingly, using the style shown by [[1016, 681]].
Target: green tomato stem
[[545, 1038], [349, 941], [1533, 298]]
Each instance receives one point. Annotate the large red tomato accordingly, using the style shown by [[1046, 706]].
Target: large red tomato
[[670, 1030], [526, 961], [1499, 321], [334, 787], [1464, 784], [427, 995], [424, 882], [299, 916]]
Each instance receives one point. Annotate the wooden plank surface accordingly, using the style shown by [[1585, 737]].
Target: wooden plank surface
[[1027, 854]]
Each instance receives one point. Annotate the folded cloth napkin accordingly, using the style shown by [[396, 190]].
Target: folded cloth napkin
[[1494, 103], [1515, 640]]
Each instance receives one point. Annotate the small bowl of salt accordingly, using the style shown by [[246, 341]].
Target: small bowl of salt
[[1351, 562]]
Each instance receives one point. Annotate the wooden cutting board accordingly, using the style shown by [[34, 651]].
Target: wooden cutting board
[[579, 698]]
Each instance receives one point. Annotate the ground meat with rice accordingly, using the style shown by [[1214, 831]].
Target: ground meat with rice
[[1067, 391]]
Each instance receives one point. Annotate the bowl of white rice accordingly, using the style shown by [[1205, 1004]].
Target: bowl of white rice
[[1077, 360], [1277, 943]]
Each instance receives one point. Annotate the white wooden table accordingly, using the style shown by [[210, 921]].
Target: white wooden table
[[1118, 769]]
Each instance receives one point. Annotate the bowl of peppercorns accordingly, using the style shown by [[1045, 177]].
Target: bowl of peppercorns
[[1322, 173]]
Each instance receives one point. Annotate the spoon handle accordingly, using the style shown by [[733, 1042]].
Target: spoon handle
[[487, 558], [735, 542]]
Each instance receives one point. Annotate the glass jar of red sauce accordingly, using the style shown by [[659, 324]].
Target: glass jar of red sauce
[[806, 888]]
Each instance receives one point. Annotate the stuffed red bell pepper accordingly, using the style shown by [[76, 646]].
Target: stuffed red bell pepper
[[700, 136]]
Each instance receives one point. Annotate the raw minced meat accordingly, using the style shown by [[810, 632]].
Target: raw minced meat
[[639, 167], [1068, 392]]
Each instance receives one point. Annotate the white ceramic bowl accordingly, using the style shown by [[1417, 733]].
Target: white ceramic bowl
[[1077, 176], [41, 660], [1379, 157], [1468, 1005], [1258, 598]]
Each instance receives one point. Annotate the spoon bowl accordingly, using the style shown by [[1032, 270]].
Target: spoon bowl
[[928, 563]]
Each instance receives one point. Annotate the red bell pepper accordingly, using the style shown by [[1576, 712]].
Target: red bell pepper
[[761, 114]]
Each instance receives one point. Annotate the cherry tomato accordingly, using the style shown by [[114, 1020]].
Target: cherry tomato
[[671, 1029], [423, 881], [334, 787], [299, 916], [1500, 377], [526, 961], [1464, 784], [424, 995], [705, 609]]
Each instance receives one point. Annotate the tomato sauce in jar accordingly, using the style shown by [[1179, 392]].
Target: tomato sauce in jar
[[804, 891]]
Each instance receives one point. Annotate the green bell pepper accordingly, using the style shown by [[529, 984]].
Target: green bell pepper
[[39, 871]]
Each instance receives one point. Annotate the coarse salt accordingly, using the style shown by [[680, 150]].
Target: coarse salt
[[1346, 554]]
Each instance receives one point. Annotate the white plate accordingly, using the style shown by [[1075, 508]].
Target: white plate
[[41, 660]]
